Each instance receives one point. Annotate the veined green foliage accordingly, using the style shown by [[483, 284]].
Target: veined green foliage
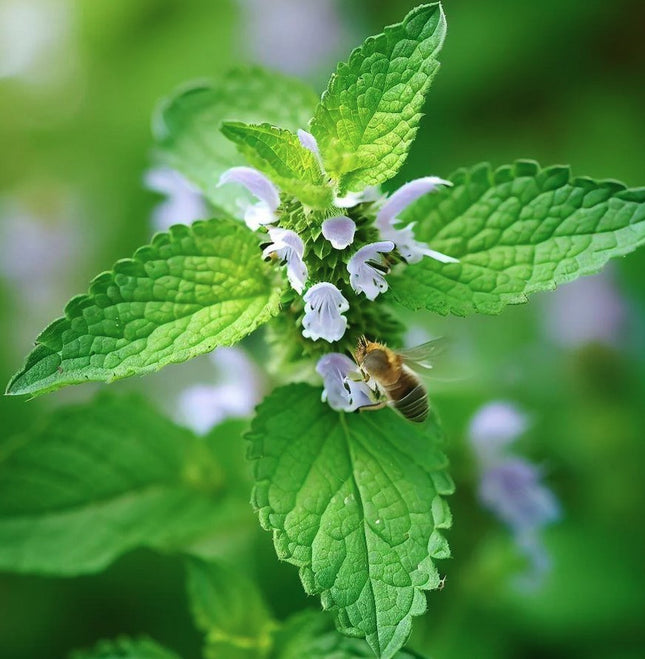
[[311, 634], [187, 125], [278, 153], [98, 480], [370, 112], [230, 610], [516, 230], [126, 648], [356, 502], [192, 289]]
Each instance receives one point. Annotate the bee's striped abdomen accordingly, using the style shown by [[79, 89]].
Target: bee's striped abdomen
[[414, 405]]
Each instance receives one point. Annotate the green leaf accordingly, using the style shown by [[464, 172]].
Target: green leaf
[[100, 479], [278, 153], [310, 634], [228, 607], [355, 502], [126, 648], [516, 230], [191, 290], [370, 112], [187, 125]]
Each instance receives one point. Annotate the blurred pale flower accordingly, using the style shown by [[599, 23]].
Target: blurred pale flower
[[40, 254], [496, 425], [588, 310], [235, 393], [289, 248], [367, 269], [324, 306], [183, 203], [294, 36], [340, 390], [510, 486], [34, 39], [351, 199]]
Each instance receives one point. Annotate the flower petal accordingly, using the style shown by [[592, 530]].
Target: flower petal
[[289, 248], [324, 306], [409, 248], [351, 199], [367, 269], [404, 196], [341, 391], [255, 182], [339, 231], [308, 141]]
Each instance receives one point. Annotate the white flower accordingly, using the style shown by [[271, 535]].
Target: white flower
[[183, 203], [261, 187], [308, 141], [342, 391], [339, 231], [324, 306], [367, 269], [289, 248], [351, 199], [410, 249]]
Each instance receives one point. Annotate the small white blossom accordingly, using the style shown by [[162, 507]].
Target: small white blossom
[[259, 186], [308, 141], [367, 269], [324, 306], [339, 231], [289, 248], [344, 389], [410, 249], [351, 199]]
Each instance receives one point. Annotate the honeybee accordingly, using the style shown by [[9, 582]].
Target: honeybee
[[395, 379]]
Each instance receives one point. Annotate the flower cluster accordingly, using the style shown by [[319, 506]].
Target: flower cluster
[[510, 486], [363, 228]]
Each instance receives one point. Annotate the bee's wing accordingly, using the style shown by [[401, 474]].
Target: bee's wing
[[426, 354]]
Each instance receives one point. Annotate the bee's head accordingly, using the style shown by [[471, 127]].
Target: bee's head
[[361, 349]]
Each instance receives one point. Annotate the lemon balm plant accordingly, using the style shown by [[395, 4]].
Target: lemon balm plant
[[302, 240]]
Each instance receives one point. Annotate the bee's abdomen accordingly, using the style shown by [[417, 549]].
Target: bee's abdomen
[[409, 397], [414, 406]]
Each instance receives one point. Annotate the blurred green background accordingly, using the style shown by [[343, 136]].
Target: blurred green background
[[560, 81]]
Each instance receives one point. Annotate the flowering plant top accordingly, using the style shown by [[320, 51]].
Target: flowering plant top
[[302, 238]]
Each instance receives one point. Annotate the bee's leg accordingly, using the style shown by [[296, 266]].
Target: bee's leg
[[373, 407]]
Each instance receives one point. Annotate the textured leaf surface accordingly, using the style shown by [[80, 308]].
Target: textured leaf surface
[[355, 502], [228, 607], [370, 112], [278, 153], [191, 290], [126, 648], [516, 230], [100, 479], [187, 125]]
